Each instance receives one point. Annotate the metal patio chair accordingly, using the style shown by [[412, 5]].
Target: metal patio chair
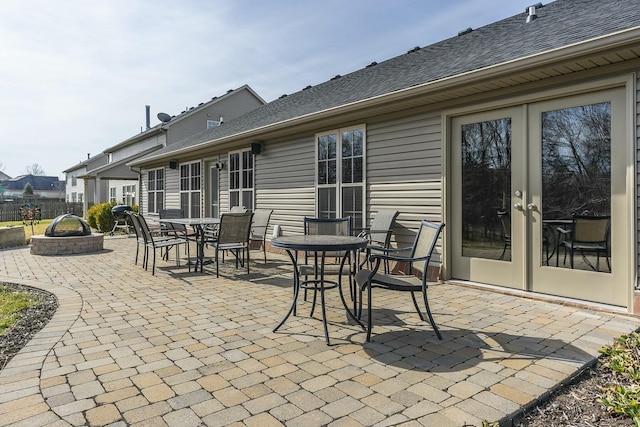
[[259, 228], [233, 236], [420, 255], [379, 232], [588, 233], [159, 242]]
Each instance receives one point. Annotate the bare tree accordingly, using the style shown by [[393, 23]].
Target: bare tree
[[1, 167], [35, 169]]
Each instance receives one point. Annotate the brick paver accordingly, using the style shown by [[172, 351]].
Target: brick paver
[[181, 349]]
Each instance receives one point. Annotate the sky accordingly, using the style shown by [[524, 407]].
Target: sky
[[76, 75]]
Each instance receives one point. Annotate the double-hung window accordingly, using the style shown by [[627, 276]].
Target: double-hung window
[[241, 175], [190, 189], [155, 190], [340, 178]]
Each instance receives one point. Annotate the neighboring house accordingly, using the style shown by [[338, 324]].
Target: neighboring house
[[107, 178], [4, 176], [44, 187], [532, 115]]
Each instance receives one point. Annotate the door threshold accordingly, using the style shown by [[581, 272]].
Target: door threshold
[[570, 302]]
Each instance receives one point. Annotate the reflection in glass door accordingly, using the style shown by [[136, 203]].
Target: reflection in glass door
[[576, 187], [578, 206], [487, 181]]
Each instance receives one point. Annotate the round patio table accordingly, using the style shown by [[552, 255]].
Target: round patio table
[[318, 244]]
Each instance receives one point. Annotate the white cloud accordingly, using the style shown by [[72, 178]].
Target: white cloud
[[75, 76]]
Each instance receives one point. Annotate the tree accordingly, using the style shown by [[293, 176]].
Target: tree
[[35, 169], [28, 190]]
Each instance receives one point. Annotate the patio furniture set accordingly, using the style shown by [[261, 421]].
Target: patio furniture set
[[330, 248]]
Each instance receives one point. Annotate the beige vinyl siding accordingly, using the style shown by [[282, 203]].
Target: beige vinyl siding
[[636, 126], [404, 171], [284, 182]]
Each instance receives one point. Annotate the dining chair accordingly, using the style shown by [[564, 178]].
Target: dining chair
[[332, 261], [259, 228], [379, 232], [159, 242], [233, 236], [140, 236], [588, 233], [505, 222], [420, 255]]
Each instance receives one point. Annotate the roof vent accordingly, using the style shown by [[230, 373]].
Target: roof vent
[[415, 49], [372, 64], [308, 87], [337, 76], [283, 96], [465, 31], [531, 14]]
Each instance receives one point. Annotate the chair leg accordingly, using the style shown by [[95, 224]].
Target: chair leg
[[369, 311], [433, 322]]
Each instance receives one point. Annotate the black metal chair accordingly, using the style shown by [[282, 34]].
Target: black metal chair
[[329, 227], [159, 242], [259, 228], [588, 233], [233, 236], [420, 255], [505, 221], [380, 231]]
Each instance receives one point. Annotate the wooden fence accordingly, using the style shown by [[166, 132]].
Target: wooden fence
[[49, 209]]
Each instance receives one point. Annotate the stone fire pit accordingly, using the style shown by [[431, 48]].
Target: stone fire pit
[[67, 234]]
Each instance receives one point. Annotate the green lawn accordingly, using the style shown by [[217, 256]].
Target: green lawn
[[11, 304]]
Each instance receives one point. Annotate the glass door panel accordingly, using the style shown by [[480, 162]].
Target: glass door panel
[[577, 211], [488, 179]]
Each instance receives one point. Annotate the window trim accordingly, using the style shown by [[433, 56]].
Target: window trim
[[155, 191], [339, 185], [191, 191], [240, 190]]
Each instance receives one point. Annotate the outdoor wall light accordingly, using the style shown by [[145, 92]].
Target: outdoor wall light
[[219, 165]]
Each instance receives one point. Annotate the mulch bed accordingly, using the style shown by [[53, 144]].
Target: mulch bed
[[32, 320]]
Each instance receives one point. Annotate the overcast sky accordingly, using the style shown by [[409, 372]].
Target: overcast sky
[[75, 75]]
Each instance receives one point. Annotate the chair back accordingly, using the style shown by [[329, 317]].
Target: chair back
[[505, 221], [382, 227], [237, 209], [327, 226], [260, 223], [136, 225], [234, 228], [146, 232], [425, 243], [591, 229]]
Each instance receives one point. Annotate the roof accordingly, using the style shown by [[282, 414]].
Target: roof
[[183, 115], [559, 24], [39, 183], [116, 170]]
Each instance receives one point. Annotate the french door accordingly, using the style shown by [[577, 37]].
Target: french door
[[537, 203]]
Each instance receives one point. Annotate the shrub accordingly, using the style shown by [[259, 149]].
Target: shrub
[[92, 216], [105, 220]]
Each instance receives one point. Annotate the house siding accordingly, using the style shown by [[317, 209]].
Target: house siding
[[404, 171], [636, 126], [239, 103], [285, 182]]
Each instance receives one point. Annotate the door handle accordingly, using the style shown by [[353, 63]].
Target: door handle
[[517, 206], [532, 207]]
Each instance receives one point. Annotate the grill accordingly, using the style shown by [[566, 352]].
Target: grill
[[119, 213], [67, 225]]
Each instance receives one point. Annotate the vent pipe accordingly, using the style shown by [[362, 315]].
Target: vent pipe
[[148, 122], [532, 14]]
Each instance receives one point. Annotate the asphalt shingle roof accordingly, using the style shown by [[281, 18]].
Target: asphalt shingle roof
[[560, 23]]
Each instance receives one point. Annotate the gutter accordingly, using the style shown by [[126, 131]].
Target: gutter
[[564, 53]]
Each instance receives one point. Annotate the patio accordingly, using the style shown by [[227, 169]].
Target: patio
[[187, 349]]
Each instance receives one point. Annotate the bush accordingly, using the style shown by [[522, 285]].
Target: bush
[[100, 217]]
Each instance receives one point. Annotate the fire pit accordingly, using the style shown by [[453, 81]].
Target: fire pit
[[67, 234]]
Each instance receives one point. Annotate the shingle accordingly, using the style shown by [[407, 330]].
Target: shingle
[[560, 23]]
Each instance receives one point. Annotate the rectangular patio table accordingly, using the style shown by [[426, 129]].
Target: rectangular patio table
[[198, 225], [318, 244]]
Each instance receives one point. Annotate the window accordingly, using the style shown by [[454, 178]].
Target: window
[[129, 195], [340, 177], [190, 177], [112, 194], [155, 190], [74, 196], [110, 158], [212, 123], [74, 181], [241, 179]]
